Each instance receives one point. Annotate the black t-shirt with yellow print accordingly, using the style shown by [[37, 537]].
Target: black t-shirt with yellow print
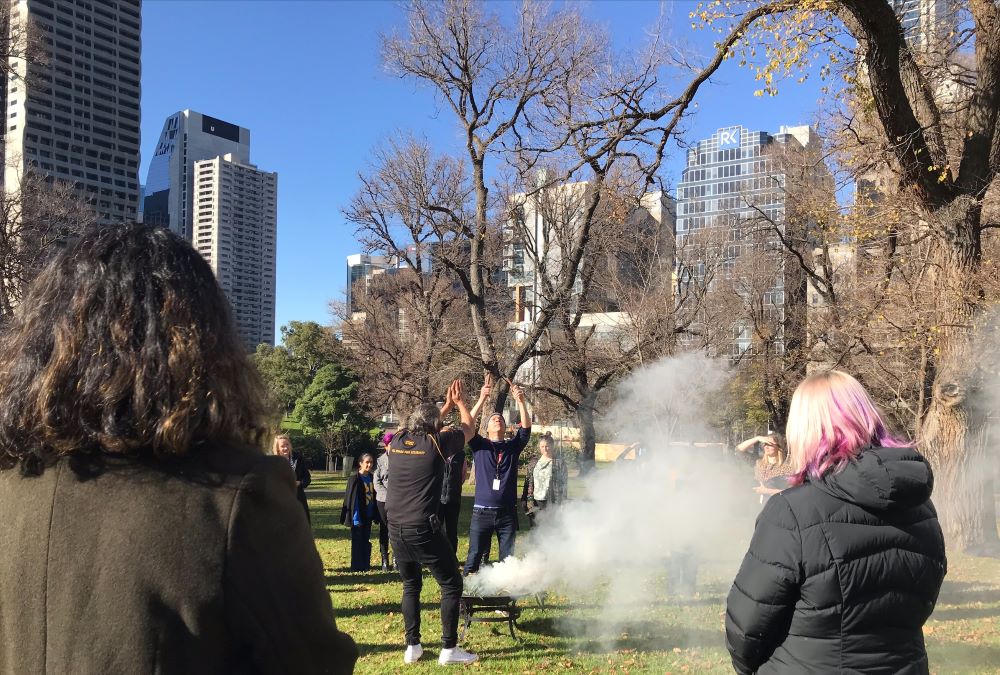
[[417, 469]]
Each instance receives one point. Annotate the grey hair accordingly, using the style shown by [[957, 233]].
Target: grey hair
[[425, 419], [368, 455]]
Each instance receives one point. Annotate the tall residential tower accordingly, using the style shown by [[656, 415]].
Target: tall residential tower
[[235, 213], [74, 115], [187, 137]]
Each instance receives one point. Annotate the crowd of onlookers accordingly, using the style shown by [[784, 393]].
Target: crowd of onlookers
[[146, 530]]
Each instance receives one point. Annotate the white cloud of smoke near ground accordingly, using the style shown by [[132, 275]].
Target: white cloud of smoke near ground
[[620, 533]]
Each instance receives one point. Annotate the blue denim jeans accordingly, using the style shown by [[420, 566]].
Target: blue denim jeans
[[486, 522]]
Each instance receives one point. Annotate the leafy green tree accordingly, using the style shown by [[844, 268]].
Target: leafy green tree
[[329, 408], [311, 345], [285, 376]]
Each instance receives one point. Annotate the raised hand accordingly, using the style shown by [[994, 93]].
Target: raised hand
[[517, 393], [484, 392]]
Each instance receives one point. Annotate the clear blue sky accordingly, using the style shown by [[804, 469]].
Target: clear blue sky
[[306, 78]]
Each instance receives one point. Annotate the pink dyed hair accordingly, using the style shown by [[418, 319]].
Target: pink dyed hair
[[831, 419]]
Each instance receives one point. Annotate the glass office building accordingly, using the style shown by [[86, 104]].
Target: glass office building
[[733, 177]]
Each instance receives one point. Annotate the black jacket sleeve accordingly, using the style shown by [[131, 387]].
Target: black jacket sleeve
[[762, 599], [350, 500], [278, 610], [302, 472]]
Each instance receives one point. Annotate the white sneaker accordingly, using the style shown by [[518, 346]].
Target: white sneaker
[[456, 655], [413, 653]]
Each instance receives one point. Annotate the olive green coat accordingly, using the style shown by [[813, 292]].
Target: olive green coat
[[204, 565]]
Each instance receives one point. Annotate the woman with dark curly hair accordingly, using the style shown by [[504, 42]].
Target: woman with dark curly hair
[[144, 527]]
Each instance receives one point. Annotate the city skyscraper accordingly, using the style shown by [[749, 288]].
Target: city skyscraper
[[731, 178], [923, 21], [74, 114], [187, 137], [235, 217], [362, 267]]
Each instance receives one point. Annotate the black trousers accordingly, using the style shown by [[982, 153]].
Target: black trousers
[[383, 528], [417, 546], [361, 547], [449, 518]]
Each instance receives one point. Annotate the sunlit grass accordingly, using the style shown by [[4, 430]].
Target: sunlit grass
[[663, 635]]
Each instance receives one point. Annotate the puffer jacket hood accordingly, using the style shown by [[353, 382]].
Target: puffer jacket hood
[[882, 479]]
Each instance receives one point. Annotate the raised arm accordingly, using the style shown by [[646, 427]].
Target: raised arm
[[522, 405], [455, 393], [448, 403], [749, 443], [484, 395]]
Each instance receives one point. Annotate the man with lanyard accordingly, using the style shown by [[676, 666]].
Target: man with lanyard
[[417, 455], [495, 460]]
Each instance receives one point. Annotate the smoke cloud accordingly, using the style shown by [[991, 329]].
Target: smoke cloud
[[676, 505]]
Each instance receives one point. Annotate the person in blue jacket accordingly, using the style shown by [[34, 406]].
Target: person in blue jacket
[[358, 513]]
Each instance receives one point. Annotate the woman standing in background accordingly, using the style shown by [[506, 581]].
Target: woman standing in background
[[358, 513], [283, 448], [772, 470], [546, 481]]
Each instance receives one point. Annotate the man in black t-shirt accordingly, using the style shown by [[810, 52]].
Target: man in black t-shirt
[[417, 456]]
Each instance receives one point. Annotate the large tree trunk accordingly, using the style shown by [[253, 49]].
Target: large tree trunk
[[588, 435], [954, 432]]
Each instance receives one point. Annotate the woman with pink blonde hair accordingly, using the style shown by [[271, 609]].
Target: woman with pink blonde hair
[[844, 568]]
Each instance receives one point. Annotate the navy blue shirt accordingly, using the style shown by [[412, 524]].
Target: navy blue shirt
[[485, 454]]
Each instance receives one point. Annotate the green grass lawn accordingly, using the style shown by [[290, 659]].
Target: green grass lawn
[[662, 635]]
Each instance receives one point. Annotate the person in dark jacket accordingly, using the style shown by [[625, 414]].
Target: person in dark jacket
[[145, 529], [283, 448], [843, 569], [358, 513]]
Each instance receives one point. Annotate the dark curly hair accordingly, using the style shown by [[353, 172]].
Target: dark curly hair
[[125, 344]]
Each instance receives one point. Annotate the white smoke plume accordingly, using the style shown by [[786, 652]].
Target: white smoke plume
[[638, 518]]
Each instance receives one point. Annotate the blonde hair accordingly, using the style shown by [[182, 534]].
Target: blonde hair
[[830, 420], [274, 443]]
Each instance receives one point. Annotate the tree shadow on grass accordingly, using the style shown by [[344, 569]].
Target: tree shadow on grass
[[963, 657], [638, 635], [343, 576], [965, 592]]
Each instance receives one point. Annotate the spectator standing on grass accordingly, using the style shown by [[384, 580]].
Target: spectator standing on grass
[[496, 460], [418, 456], [145, 529], [844, 569], [283, 448], [773, 470], [381, 483], [359, 512], [547, 480]]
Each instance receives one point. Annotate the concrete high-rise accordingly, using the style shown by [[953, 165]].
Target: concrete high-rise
[[235, 213], [187, 137], [736, 177], [924, 22], [74, 115]]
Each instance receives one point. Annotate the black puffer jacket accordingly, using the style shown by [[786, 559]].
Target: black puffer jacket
[[841, 573]]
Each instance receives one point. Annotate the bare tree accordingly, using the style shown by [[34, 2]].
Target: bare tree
[[543, 90], [934, 117], [35, 219]]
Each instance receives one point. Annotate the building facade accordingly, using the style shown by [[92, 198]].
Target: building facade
[[732, 179], [924, 22], [362, 268], [187, 137], [74, 115], [235, 229]]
